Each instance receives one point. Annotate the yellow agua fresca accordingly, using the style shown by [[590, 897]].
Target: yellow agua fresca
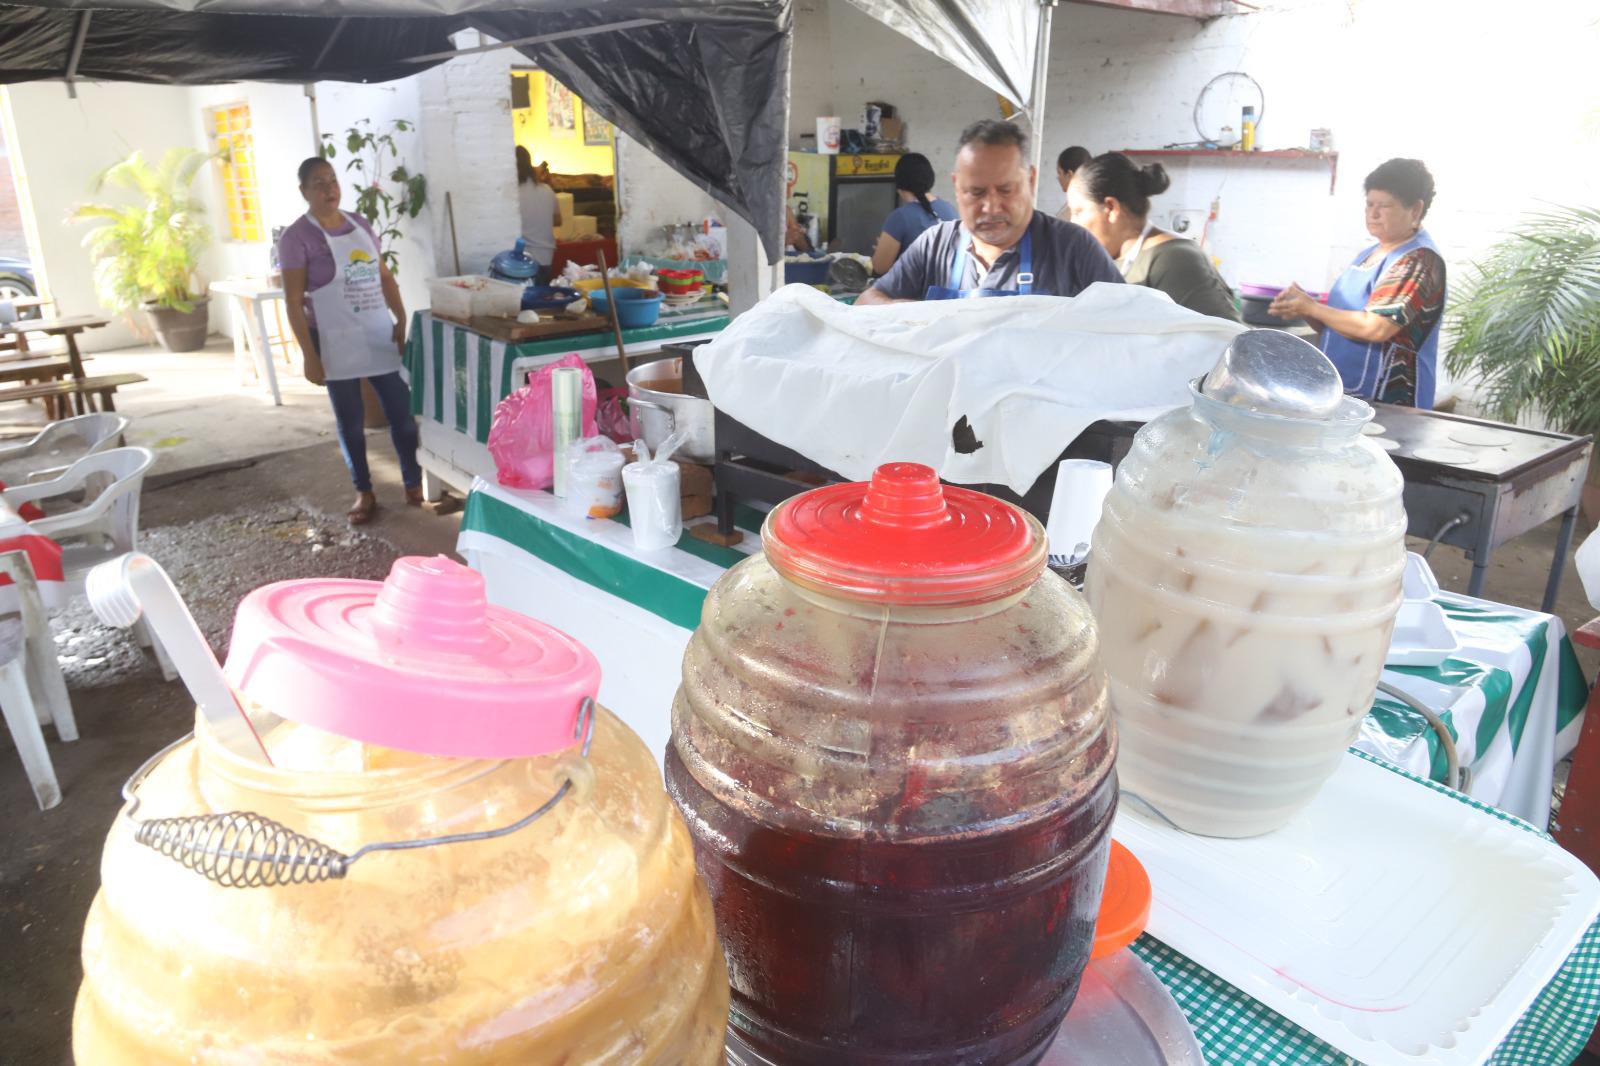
[[585, 937]]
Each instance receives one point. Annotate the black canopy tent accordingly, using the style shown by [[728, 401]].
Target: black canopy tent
[[704, 85]]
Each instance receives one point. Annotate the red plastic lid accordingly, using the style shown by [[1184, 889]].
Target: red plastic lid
[[905, 538], [1124, 906]]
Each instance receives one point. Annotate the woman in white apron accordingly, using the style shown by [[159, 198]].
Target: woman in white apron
[[345, 309]]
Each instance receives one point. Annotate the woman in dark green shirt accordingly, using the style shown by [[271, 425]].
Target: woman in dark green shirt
[[1110, 197]]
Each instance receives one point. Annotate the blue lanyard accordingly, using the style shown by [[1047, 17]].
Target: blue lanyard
[[958, 269]]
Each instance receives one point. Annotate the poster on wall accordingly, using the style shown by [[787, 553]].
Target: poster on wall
[[559, 108], [596, 130]]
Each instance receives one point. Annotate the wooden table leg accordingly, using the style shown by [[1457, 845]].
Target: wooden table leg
[[285, 341], [76, 362]]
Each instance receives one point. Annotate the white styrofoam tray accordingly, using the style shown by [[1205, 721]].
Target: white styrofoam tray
[[1396, 923], [1422, 636]]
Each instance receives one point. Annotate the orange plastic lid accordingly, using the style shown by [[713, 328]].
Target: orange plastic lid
[[1124, 906]]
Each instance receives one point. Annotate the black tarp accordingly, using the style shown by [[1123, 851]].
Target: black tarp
[[993, 41], [705, 86]]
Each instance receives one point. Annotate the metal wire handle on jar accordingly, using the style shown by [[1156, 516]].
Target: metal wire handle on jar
[[241, 849]]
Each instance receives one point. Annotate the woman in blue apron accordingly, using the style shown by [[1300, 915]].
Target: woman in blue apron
[[1380, 326], [345, 310]]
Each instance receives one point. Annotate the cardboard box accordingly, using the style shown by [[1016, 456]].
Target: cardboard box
[[693, 479]]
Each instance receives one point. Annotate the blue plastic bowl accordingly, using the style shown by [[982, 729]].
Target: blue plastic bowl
[[635, 307]]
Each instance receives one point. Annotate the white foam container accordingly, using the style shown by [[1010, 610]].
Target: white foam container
[[1422, 636], [1393, 921]]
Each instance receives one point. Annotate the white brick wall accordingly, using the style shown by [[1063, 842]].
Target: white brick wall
[[653, 195], [1501, 104], [468, 140]]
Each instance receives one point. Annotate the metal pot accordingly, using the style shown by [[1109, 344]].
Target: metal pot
[[658, 408]]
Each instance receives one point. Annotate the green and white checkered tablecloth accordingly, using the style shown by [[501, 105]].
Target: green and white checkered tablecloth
[[1232, 1027], [1512, 696], [458, 375]]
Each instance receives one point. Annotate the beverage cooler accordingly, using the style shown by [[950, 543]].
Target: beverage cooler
[[848, 196]]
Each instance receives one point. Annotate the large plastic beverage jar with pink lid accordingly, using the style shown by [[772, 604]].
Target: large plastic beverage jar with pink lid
[[453, 857]]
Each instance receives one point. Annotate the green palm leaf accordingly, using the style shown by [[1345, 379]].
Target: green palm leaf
[[146, 249], [1527, 321]]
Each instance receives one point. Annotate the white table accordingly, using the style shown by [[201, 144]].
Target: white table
[[1512, 695], [251, 339]]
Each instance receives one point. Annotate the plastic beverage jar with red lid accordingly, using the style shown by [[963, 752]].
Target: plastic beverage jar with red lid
[[893, 750], [453, 856]]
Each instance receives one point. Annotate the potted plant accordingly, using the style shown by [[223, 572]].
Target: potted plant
[[1527, 324], [146, 252]]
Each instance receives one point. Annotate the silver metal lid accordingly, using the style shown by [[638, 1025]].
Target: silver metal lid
[[1274, 372]]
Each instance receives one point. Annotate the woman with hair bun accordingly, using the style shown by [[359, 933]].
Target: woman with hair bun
[[1110, 197], [1380, 325], [913, 181]]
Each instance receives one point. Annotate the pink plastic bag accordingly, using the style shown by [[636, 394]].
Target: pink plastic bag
[[521, 437], [612, 416]]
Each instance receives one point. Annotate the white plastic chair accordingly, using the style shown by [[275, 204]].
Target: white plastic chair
[[32, 690], [104, 527], [55, 447], [107, 525]]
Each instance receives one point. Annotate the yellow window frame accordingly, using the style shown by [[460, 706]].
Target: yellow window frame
[[230, 137]]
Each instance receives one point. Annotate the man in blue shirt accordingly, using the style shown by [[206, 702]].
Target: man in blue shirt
[[1002, 245]]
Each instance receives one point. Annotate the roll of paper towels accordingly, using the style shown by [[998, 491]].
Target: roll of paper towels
[[828, 135]]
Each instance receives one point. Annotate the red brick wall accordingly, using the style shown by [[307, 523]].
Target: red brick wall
[[12, 241]]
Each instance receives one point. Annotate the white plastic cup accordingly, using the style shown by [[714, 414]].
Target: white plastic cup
[[594, 484], [654, 509], [8, 312], [1081, 488]]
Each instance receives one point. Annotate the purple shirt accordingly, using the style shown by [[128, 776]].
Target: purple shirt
[[305, 246]]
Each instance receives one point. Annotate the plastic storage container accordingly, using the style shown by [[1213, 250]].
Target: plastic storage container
[[465, 297], [581, 937], [807, 269], [1245, 574], [893, 749]]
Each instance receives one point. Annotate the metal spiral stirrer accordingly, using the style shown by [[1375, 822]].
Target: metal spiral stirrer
[[241, 849]]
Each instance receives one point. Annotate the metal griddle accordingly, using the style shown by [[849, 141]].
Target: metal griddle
[[1469, 483], [1475, 484]]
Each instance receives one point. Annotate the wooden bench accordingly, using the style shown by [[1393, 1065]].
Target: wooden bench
[[103, 386]]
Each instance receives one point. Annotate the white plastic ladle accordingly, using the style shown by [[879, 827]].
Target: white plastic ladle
[[122, 589]]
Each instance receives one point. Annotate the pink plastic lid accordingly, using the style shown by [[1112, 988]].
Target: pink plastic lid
[[420, 662]]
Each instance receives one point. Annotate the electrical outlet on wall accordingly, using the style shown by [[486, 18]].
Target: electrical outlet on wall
[[1187, 221]]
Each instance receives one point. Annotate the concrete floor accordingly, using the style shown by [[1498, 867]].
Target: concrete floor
[[244, 493]]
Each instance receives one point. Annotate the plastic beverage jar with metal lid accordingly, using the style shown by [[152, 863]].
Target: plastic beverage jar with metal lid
[[894, 753], [454, 856], [1246, 574]]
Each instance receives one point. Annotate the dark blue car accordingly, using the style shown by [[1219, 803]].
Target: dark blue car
[[16, 279]]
